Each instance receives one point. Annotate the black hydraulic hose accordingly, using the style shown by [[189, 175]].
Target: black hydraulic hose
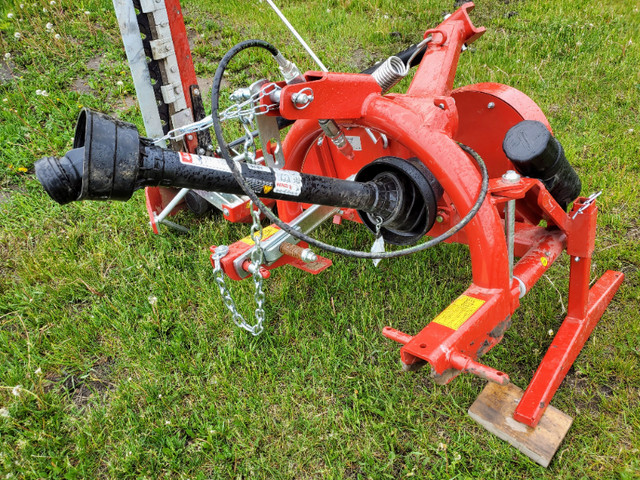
[[217, 127]]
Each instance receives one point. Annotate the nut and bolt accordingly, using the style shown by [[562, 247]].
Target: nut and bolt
[[225, 212], [511, 176], [441, 106], [491, 105], [307, 256]]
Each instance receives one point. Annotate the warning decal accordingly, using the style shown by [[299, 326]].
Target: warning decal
[[266, 233], [459, 312], [213, 163], [288, 182]]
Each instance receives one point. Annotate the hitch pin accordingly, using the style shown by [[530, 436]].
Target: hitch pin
[[247, 266]]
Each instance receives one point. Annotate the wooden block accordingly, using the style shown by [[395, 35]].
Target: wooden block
[[493, 409]]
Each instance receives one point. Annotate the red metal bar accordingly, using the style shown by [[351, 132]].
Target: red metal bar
[[564, 349], [183, 56], [396, 335], [466, 364]]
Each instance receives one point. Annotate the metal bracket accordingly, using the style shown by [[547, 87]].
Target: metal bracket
[[269, 133], [306, 222]]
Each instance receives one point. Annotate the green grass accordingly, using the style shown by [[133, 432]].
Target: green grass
[[116, 386]]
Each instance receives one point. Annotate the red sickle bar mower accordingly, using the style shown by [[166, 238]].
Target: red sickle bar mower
[[476, 165]]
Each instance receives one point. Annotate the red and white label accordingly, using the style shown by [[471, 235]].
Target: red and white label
[[212, 163], [287, 182]]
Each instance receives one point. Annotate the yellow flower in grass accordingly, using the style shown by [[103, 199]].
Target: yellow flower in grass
[[22, 169]]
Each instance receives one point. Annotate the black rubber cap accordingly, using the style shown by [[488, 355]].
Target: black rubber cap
[[536, 153], [532, 149]]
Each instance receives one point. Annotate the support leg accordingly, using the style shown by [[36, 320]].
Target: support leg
[[566, 345]]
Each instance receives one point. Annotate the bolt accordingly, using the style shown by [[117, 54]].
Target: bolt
[[441, 105], [225, 212], [307, 256], [174, 69], [201, 151], [189, 137], [320, 140], [511, 176], [439, 219], [577, 259], [491, 105], [196, 91]]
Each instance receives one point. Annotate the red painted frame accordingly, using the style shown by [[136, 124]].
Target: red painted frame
[[425, 123]]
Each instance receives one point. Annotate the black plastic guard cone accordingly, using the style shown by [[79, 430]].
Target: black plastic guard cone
[[103, 164]]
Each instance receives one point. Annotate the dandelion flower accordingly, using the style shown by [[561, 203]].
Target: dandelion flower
[[167, 422], [22, 5], [5, 99], [87, 12], [38, 371], [16, 390], [120, 83], [550, 333], [17, 35], [22, 170], [7, 56], [49, 26], [4, 412], [10, 15], [152, 300], [57, 36], [44, 10], [52, 2]]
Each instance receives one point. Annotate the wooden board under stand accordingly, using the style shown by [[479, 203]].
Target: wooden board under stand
[[493, 409]]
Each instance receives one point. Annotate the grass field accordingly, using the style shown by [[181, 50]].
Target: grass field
[[118, 359]]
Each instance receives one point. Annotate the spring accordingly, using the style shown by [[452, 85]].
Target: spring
[[390, 72]]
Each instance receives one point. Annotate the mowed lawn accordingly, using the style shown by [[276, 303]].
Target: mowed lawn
[[118, 358]]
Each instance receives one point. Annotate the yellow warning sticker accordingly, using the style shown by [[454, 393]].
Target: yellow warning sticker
[[459, 312], [266, 233]]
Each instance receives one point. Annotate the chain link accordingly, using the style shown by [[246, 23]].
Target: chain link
[[245, 109], [257, 257]]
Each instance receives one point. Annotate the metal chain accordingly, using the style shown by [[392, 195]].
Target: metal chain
[[257, 257], [246, 108]]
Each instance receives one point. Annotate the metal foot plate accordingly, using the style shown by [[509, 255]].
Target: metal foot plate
[[493, 409]]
